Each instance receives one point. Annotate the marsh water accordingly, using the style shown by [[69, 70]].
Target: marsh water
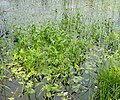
[[26, 12]]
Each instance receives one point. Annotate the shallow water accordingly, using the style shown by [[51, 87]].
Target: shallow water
[[26, 12]]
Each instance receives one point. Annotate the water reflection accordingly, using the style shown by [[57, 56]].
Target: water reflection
[[44, 4], [24, 12]]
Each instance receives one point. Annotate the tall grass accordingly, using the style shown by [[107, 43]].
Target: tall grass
[[108, 81], [108, 84]]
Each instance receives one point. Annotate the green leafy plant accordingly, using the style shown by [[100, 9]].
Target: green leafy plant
[[3, 70], [51, 57], [62, 57]]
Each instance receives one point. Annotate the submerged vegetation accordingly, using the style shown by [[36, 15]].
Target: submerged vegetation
[[65, 59]]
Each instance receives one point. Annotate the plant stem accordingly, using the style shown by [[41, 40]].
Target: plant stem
[[29, 98]]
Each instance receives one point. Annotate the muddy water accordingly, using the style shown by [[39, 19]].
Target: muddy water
[[26, 12]]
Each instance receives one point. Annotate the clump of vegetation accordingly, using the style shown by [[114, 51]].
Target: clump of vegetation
[[108, 81], [62, 57], [50, 57], [108, 84]]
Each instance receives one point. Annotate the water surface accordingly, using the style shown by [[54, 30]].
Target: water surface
[[26, 12]]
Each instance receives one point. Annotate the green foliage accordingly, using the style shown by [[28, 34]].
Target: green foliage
[[3, 70], [61, 57], [108, 81], [50, 56], [108, 84]]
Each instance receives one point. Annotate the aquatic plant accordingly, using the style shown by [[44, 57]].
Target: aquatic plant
[[49, 57], [3, 71], [108, 84], [62, 57]]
